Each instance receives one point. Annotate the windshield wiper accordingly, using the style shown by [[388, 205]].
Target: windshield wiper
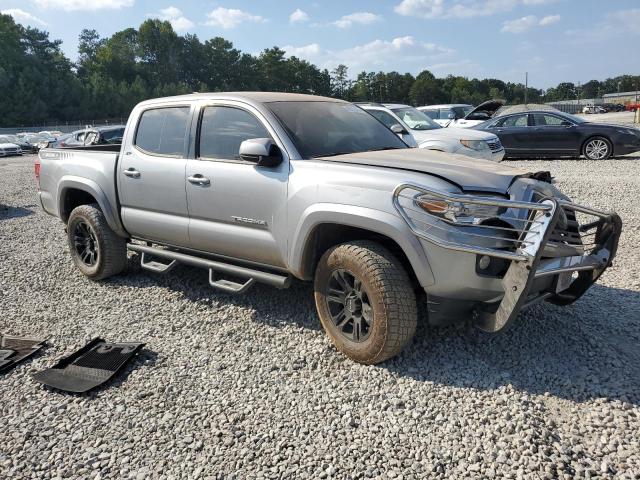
[[332, 154], [385, 148]]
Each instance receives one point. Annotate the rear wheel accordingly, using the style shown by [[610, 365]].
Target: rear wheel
[[96, 249], [365, 301], [597, 148]]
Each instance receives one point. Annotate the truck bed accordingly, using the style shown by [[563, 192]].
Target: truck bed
[[65, 172]]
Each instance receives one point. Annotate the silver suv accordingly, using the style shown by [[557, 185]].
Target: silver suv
[[267, 187], [418, 130]]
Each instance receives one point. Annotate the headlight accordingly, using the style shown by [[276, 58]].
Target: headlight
[[457, 212], [475, 144]]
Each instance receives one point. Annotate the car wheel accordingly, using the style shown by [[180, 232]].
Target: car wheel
[[597, 148], [365, 300], [96, 249]]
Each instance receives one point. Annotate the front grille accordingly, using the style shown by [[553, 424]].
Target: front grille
[[495, 145], [576, 233]]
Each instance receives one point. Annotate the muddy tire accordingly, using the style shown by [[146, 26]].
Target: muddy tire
[[96, 249], [365, 300]]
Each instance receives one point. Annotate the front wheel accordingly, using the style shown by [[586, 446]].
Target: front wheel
[[365, 301], [96, 249], [597, 148]]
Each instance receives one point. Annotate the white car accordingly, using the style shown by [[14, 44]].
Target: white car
[[418, 130], [7, 149], [462, 115]]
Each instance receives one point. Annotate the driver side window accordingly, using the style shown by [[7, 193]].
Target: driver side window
[[223, 129], [384, 117]]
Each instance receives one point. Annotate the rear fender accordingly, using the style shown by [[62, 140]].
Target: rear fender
[[69, 182]]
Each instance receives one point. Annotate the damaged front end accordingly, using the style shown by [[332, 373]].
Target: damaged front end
[[536, 243]]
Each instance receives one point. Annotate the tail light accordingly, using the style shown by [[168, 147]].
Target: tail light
[[36, 167]]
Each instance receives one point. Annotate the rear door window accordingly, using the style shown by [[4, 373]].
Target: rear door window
[[513, 121], [432, 114], [162, 131], [223, 129]]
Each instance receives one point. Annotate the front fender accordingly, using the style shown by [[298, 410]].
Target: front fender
[[375, 221], [69, 182]]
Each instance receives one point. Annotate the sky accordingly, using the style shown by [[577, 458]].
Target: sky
[[553, 40]]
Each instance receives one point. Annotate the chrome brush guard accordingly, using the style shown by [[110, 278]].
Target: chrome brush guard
[[525, 234]]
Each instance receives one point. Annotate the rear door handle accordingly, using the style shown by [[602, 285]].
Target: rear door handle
[[198, 179], [131, 172]]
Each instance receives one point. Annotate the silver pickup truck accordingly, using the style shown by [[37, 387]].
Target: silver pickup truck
[[265, 187]]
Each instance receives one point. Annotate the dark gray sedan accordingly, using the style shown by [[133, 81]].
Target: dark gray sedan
[[535, 134]]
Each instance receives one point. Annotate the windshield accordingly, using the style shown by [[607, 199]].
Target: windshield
[[320, 129], [415, 119], [9, 139], [462, 112], [113, 136]]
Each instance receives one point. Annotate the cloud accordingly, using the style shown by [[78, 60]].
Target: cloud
[[549, 20], [69, 5], [174, 15], [615, 24], [524, 24], [404, 53], [298, 16], [460, 8], [21, 16], [228, 18], [361, 18]]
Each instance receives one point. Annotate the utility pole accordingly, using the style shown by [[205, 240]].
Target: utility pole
[[526, 86]]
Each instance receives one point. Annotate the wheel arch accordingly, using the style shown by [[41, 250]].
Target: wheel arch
[[597, 135], [74, 191], [324, 226]]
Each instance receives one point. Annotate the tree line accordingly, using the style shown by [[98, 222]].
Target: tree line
[[40, 84]]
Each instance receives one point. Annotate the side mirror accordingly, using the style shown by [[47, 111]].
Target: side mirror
[[398, 129], [261, 151]]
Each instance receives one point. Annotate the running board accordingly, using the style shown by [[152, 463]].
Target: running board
[[251, 275], [157, 267]]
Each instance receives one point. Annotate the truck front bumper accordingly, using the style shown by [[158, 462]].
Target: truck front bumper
[[572, 275], [549, 263]]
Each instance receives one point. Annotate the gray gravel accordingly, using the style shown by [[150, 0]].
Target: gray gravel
[[249, 387]]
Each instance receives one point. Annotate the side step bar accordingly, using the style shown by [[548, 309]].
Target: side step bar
[[251, 275]]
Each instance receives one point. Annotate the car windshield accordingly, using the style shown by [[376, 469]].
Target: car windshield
[[462, 112], [113, 136], [415, 119], [9, 139], [321, 129]]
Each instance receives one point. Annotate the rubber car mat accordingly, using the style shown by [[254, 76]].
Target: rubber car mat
[[16, 349], [89, 367]]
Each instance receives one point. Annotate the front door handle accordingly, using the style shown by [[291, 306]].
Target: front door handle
[[198, 179], [131, 172]]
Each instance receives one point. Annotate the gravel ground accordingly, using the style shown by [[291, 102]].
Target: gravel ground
[[249, 387], [618, 118]]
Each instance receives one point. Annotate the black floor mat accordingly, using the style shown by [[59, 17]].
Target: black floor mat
[[16, 349], [89, 367]]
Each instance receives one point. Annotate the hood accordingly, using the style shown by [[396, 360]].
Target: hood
[[469, 174], [8, 145], [451, 133], [490, 106]]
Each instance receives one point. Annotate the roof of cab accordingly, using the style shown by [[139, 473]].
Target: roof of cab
[[256, 97]]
